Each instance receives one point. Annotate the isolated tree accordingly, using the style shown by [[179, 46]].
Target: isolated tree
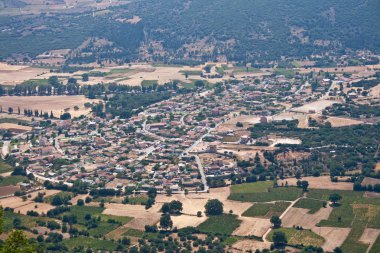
[[80, 202], [276, 221], [304, 185], [85, 77], [166, 222], [279, 238], [214, 207], [239, 124], [334, 198]]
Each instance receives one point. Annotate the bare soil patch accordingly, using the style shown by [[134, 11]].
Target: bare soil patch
[[182, 221], [57, 104], [340, 122], [8, 190], [15, 127], [334, 237], [301, 217], [323, 182], [316, 106], [369, 235], [370, 181], [249, 245], [252, 226], [141, 216]]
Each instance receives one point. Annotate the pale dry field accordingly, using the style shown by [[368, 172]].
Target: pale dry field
[[33, 206], [182, 221], [323, 182], [249, 245], [334, 237], [340, 122], [370, 181], [16, 74], [369, 235], [141, 216], [316, 106], [302, 217], [16, 127], [17, 203], [252, 226], [57, 104]]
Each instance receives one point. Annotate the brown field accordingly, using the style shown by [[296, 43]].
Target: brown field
[[24, 206], [141, 216], [249, 245], [8, 190], [323, 182], [334, 237], [301, 217], [340, 122], [182, 221], [15, 127], [38, 207], [316, 106], [57, 104], [252, 226], [369, 235], [370, 181], [16, 74]]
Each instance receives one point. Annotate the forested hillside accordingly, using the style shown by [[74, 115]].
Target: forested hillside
[[172, 30]]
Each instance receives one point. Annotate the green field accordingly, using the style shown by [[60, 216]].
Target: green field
[[312, 204], [354, 211], [106, 224], [222, 224], [191, 72], [263, 192], [298, 237], [149, 83], [5, 167], [134, 233], [376, 246], [92, 243], [11, 180], [266, 210], [60, 194], [26, 221]]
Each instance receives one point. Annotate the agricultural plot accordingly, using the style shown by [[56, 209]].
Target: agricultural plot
[[266, 210], [355, 212], [312, 204], [222, 224], [263, 192], [298, 237], [94, 243]]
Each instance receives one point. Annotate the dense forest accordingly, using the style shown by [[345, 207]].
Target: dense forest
[[196, 30]]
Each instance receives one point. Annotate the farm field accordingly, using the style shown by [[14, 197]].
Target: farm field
[[312, 204], [57, 104], [263, 192], [223, 224], [322, 182], [266, 210], [297, 237]]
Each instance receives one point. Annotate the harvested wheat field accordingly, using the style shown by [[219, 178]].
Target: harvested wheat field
[[334, 237], [181, 221], [16, 74], [15, 127], [302, 217], [57, 104], [252, 226], [249, 245], [16, 202], [323, 182], [32, 206], [141, 216], [316, 106], [341, 122]]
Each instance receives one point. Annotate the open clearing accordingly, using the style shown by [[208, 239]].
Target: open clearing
[[252, 226], [341, 122], [249, 245], [141, 216], [57, 104], [316, 106], [323, 182]]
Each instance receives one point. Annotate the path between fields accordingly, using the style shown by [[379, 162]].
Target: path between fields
[[282, 216]]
